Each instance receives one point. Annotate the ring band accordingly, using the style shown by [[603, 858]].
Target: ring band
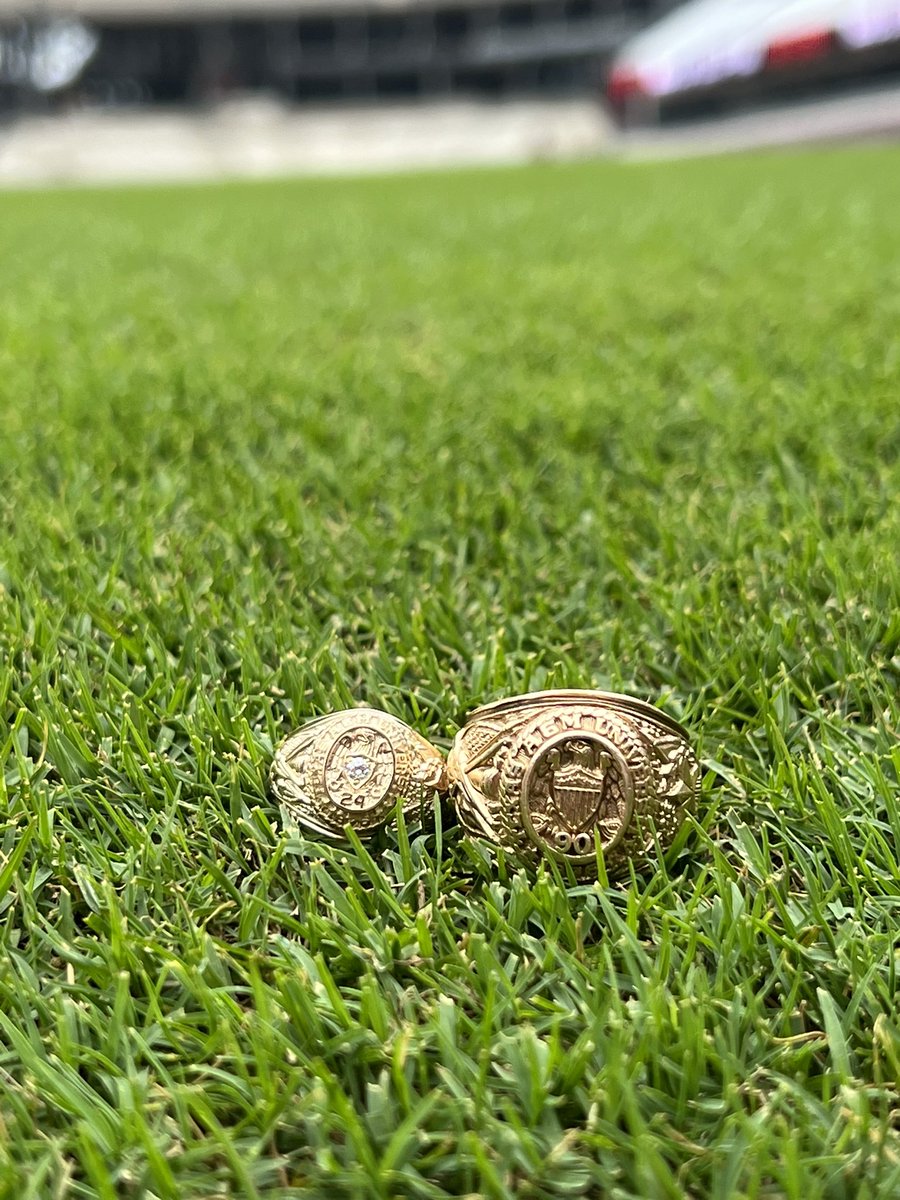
[[351, 768], [545, 774]]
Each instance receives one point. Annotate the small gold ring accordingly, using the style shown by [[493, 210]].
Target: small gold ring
[[351, 768], [547, 773]]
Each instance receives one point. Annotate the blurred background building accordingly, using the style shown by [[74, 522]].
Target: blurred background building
[[139, 89], [172, 51]]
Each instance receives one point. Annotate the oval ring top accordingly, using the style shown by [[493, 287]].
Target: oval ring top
[[359, 769], [576, 783]]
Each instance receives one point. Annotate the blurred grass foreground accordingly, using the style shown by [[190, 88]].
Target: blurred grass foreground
[[421, 442]]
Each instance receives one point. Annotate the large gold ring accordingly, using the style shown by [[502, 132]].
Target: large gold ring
[[351, 768], [554, 773]]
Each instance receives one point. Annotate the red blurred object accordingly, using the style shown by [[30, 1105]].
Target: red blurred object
[[623, 85], [800, 47]]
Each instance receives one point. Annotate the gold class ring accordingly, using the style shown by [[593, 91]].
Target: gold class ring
[[351, 768], [546, 773]]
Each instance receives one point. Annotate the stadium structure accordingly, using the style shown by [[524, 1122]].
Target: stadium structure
[[176, 51]]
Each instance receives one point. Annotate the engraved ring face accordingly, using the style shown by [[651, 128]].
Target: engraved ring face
[[573, 786], [359, 769], [553, 773], [351, 768]]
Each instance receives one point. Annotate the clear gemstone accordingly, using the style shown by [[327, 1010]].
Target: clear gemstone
[[358, 768]]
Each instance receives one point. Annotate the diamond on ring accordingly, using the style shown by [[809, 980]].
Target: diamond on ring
[[351, 768]]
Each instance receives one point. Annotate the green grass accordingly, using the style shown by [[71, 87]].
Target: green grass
[[271, 450]]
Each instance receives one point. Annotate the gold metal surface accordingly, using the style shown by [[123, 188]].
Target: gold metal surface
[[546, 773], [351, 768]]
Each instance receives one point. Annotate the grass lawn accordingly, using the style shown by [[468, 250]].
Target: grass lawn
[[423, 442]]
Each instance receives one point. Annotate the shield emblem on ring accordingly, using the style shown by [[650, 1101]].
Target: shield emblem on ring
[[577, 774]]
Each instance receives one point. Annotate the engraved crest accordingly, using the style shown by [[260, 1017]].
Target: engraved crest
[[577, 780], [359, 769], [575, 786]]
